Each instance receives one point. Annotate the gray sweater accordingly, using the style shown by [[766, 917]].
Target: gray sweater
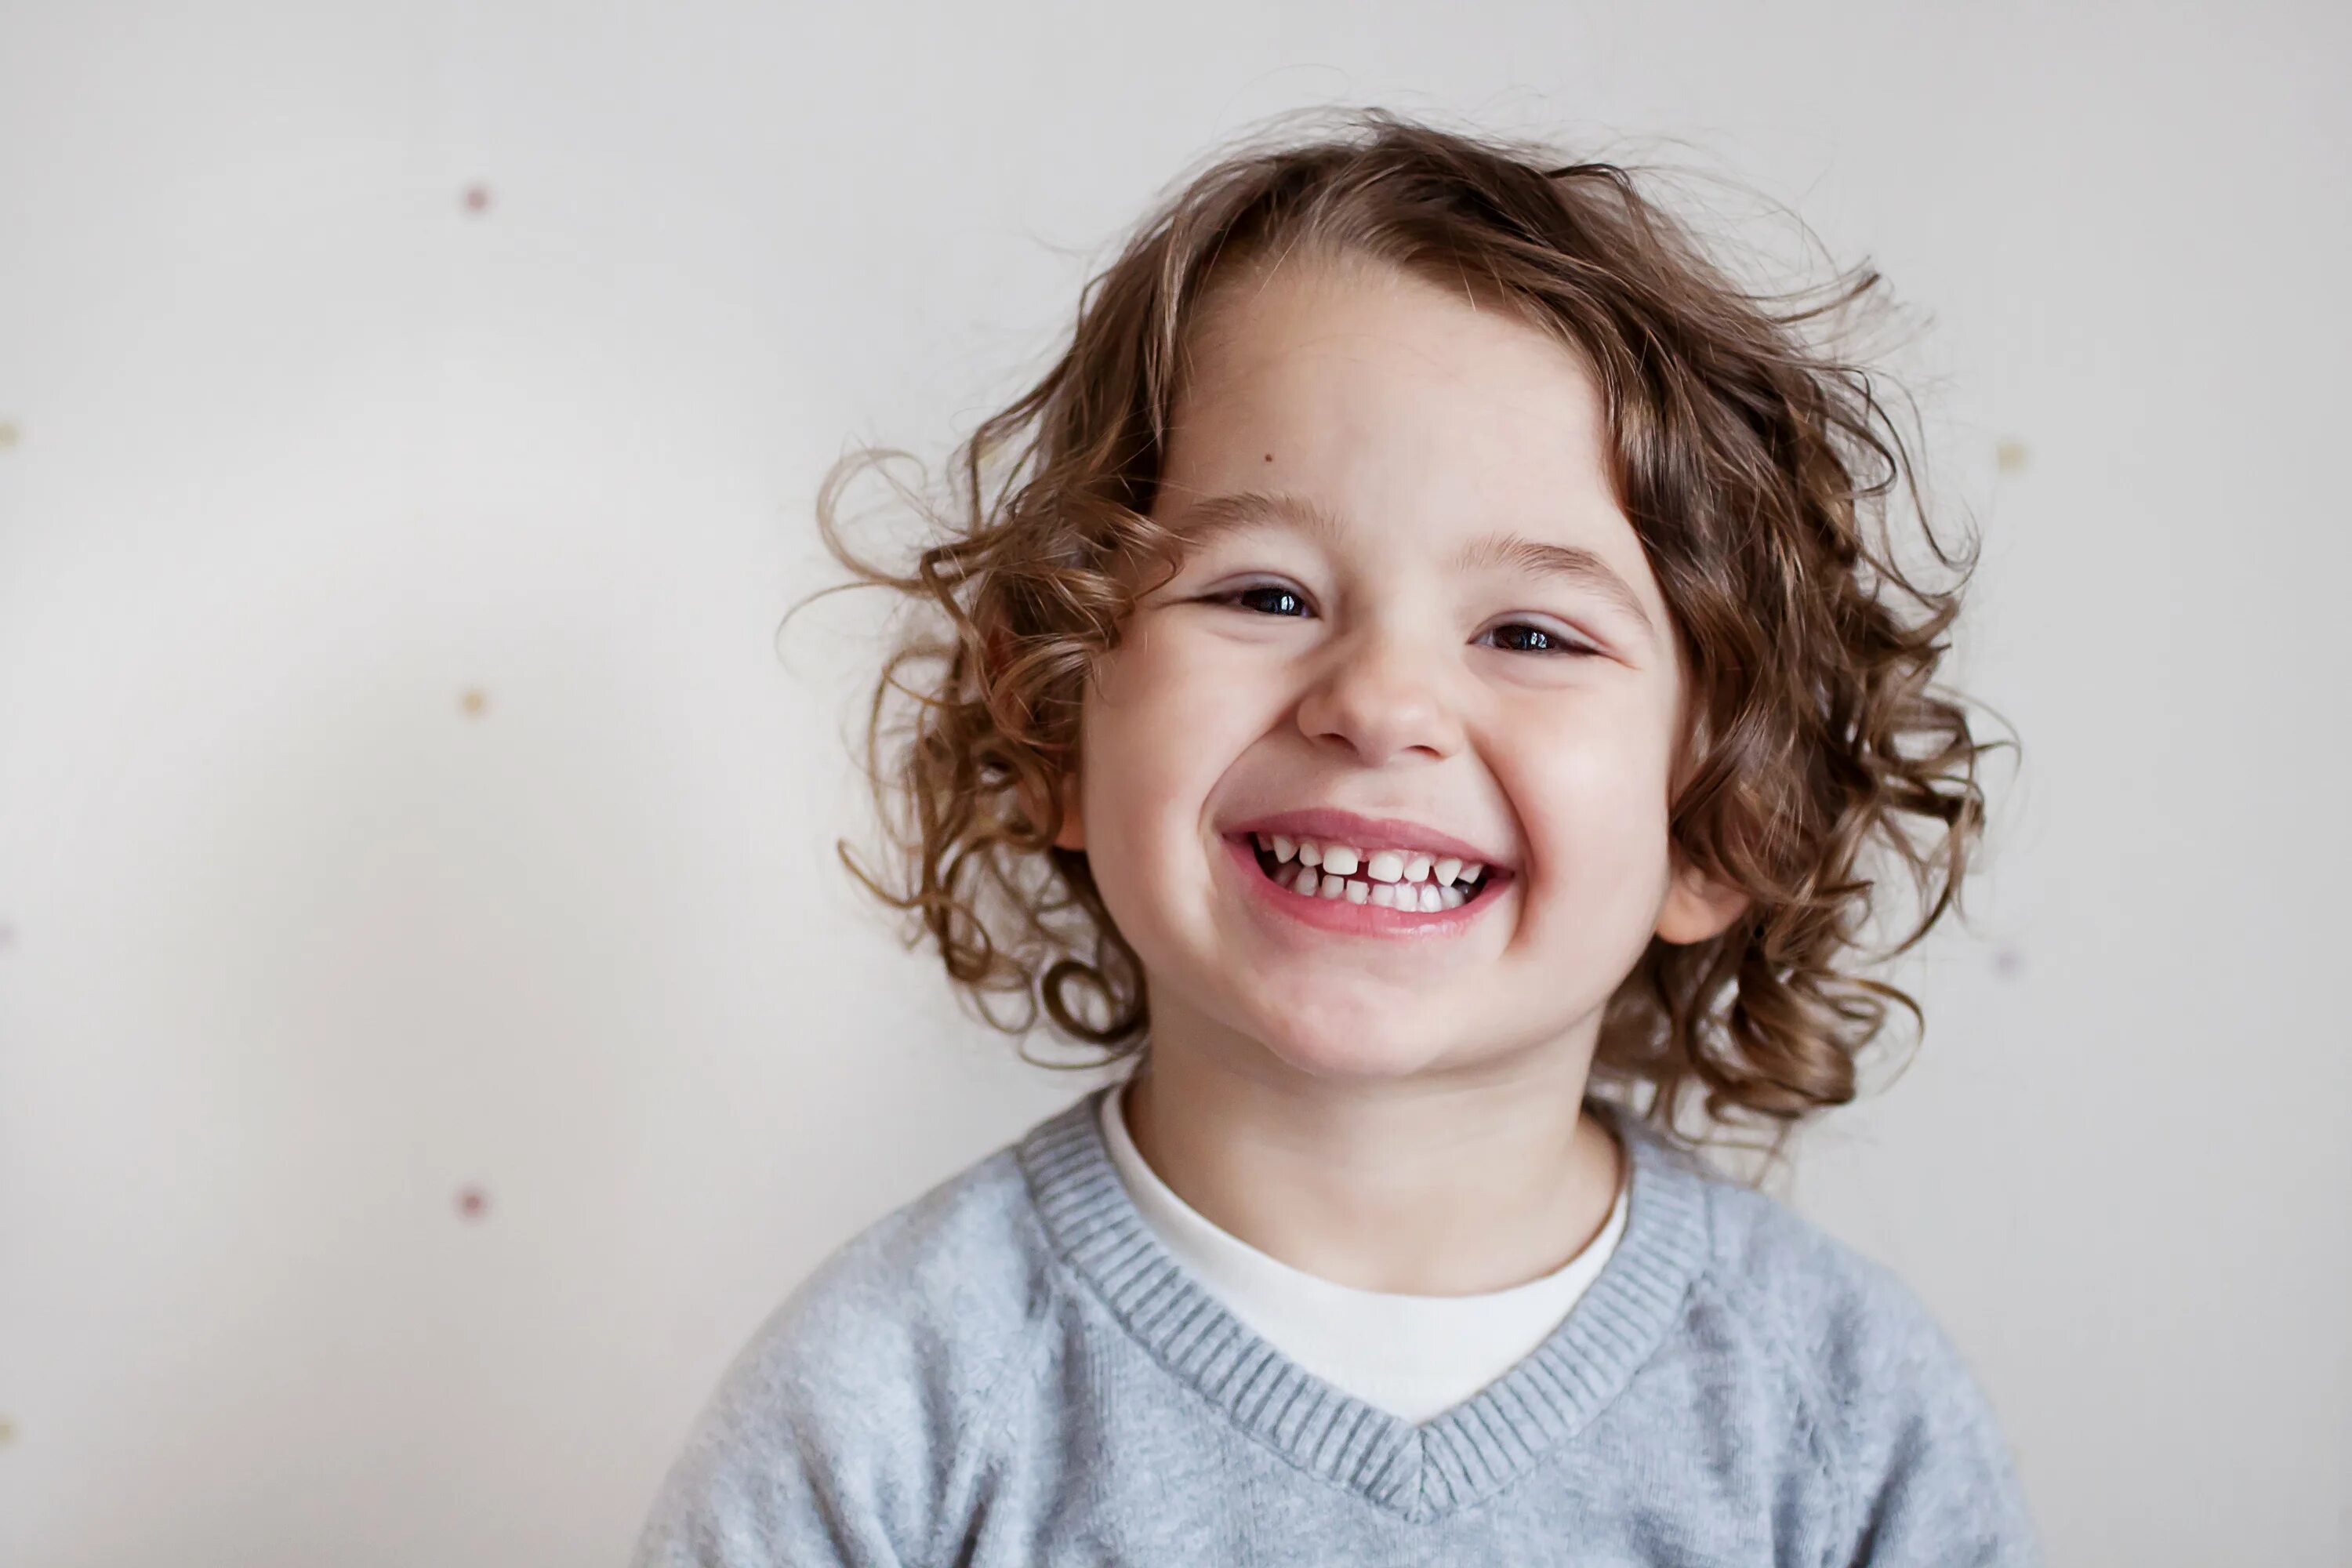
[[1011, 1370]]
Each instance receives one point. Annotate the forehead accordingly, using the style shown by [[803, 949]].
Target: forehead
[[1406, 414], [1363, 382], [1350, 305]]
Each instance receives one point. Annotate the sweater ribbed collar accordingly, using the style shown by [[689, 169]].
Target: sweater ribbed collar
[[1418, 1471]]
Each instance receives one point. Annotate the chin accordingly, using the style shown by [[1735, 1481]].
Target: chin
[[1367, 1049]]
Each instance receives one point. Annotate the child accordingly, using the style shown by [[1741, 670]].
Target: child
[[1418, 692]]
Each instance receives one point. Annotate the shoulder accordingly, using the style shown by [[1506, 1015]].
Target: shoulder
[[1916, 1453], [856, 1410], [1825, 1301], [941, 1290]]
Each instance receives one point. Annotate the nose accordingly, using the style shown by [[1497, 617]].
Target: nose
[[1381, 697]]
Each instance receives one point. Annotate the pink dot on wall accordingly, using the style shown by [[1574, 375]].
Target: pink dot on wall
[[2009, 963], [477, 198], [472, 1202]]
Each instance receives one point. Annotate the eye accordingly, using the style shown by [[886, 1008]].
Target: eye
[[1519, 637], [1265, 598]]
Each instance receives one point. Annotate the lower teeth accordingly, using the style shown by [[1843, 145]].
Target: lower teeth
[[1341, 888]]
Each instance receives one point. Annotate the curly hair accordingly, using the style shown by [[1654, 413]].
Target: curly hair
[[1749, 459]]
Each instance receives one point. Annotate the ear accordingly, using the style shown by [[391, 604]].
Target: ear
[[1696, 907], [1072, 833]]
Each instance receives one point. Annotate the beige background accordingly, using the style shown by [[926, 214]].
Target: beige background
[[299, 949]]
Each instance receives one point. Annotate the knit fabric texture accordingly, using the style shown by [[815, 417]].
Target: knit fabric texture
[[1011, 1370]]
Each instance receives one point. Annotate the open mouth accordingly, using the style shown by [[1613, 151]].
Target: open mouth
[[1405, 880]]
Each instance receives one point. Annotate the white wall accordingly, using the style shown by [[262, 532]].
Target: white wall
[[296, 948]]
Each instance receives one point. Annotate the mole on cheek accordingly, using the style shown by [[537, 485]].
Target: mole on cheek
[[1269, 457]]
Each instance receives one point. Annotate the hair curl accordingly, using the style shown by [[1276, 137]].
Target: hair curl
[[1748, 460]]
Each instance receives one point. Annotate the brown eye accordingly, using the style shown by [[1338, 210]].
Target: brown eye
[[1266, 598], [1518, 636]]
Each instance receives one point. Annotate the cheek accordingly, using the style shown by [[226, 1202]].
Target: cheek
[[1591, 799], [1159, 730]]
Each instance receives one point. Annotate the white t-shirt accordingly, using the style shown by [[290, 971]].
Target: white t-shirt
[[1413, 1356]]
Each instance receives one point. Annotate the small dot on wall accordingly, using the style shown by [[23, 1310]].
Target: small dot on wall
[[472, 1202], [2009, 456], [2009, 963], [8, 437], [474, 701], [7, 1431], [477, 198]]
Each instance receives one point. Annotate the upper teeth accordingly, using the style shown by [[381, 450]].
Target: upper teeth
[[1379, 864]]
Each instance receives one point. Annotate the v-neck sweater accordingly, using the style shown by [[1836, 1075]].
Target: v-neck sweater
[[1012, 1369], [1411, 1355]]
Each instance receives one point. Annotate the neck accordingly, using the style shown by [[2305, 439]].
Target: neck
[[1451, 1184]]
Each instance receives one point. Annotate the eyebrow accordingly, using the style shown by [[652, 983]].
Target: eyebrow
[[1217, 515]]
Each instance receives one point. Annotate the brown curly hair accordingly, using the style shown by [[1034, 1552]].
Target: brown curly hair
[[1746, 457]]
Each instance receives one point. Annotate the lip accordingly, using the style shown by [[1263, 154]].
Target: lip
[[1326, 825], [1340, 916]]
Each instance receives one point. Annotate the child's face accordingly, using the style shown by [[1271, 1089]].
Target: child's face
[[1413, 662]]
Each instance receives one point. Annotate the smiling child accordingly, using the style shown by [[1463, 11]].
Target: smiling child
[[1418, 684]]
